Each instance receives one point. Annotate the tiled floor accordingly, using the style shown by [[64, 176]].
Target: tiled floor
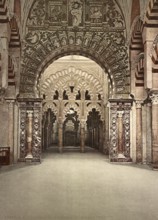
[[75, 186]]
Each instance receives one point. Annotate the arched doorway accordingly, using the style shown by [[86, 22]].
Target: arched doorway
[[71, 87], [103, 39]]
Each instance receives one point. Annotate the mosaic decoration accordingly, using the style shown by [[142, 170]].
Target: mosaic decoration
[[92, 28]]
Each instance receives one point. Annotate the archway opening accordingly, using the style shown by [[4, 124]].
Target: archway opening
[[75, 92]]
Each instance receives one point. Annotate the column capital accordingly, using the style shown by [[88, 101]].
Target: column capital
[[30, 113], [139, 103], [120, 114], [154, 98]]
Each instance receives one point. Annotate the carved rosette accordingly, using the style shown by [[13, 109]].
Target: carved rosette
[[120, 110]]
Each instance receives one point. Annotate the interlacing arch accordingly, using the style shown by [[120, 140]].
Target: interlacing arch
[[70, 77]]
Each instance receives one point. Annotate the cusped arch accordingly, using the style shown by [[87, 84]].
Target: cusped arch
[[61, 79], [98, 109], [52, 106]]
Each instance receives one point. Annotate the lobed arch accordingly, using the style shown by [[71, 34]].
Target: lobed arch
[[98, 109], [52, 106], [63, 78]]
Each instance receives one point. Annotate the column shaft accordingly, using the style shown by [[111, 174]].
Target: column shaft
[[120, 133], [82, 137], [60, 137], [154, 98], [155, 134], [139, 152], [11, 131], [29, 134]]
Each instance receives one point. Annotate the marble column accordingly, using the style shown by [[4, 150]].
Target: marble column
[[60, 136], [16, 133], [139, 150], [82, 137], [120, 135], [106, 129], [101, 141], [29, 135], [154, 98], [149, 133], [11, 130]]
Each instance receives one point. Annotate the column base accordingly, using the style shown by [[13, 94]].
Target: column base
[[120, 158], [29, 158]]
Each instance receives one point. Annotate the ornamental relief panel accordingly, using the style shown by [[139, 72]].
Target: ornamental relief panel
[[95, 28], [76, 13], [35, 108], [124, 109]]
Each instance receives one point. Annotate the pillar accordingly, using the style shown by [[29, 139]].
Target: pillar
[[16, 133], [149, 133], [101, 141], [120, 135], [154, 98], [82, 137], [60, 136], [29, 135], [11, 130], [106, 129], [139, 150]]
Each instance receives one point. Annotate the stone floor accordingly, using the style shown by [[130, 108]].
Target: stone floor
[[75, 186]]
